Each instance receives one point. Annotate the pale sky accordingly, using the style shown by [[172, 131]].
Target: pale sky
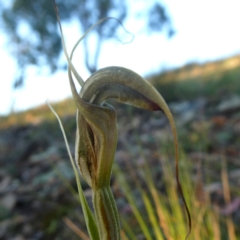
[[205, 30]]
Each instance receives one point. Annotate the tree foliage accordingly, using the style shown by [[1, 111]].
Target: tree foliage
[[32, 30]]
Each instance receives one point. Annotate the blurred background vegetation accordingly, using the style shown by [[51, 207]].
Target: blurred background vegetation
[[37, 188]]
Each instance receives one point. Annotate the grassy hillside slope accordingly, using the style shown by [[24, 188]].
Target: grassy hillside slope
[[214, 80]]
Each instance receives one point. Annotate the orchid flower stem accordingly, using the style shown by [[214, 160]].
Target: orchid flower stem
[[106, 213]]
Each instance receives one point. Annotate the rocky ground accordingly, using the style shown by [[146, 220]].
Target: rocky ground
[[36, 178]]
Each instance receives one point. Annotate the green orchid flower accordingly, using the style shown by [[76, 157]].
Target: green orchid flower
[[97, 134]]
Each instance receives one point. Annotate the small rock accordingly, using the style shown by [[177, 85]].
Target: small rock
[[4, 227], [236, 127], [19, 237], [234, 174], [4, 183], [186, 117], [27, 229], [180, 107], [50, 153], [8, 201], [163, 135], [232, 104], [213, 187]]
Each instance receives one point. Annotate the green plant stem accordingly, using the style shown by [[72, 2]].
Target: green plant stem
[[106, 214]]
